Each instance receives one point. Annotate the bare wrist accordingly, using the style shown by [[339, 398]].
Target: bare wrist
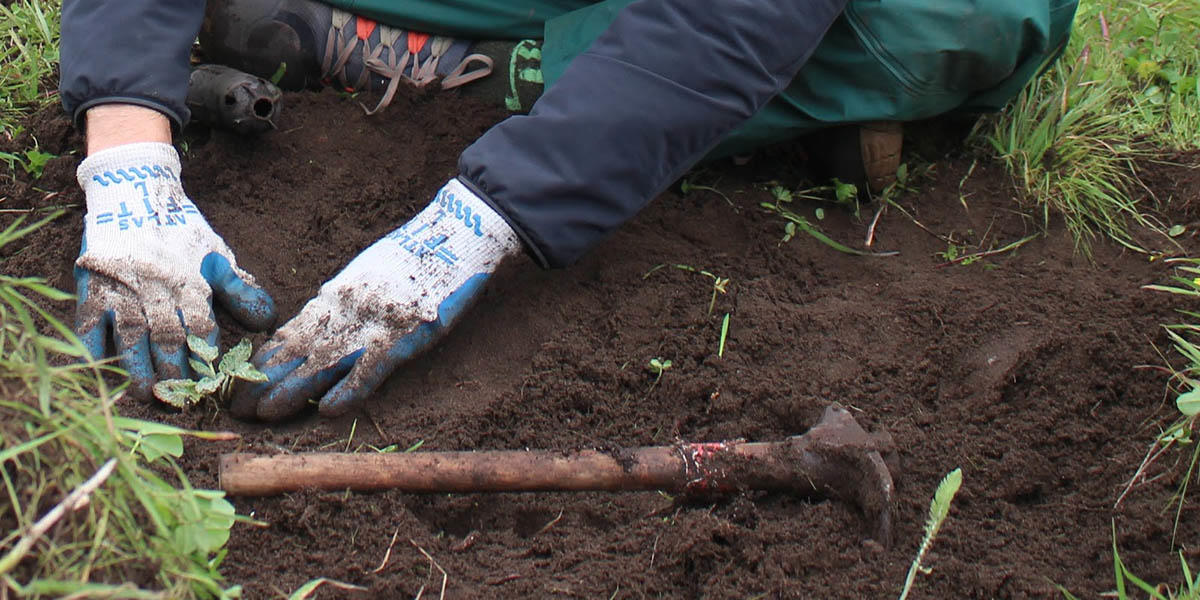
[[110, 125]]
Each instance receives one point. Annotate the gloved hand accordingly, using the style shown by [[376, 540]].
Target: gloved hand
[[390, 303], [150, 265]]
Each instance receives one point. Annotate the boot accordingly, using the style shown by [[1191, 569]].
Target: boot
[[865, 154], [316, 45]]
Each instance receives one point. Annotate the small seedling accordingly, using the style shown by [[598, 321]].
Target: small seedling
[[217, 381], [658, 366], [724, 333], [688, 187], [720, 284], [939, 509]]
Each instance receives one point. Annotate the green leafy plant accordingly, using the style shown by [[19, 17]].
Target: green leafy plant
[[214, 381], [939, 509], [94, 500], [1180, 433], [796, 222], [658, 366], [687, 187]]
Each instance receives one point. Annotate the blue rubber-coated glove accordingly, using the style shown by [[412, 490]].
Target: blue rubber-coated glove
[[150, 266], [391, 302]]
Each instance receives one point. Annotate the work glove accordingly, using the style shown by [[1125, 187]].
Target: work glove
[[150, 266], [391, 302]]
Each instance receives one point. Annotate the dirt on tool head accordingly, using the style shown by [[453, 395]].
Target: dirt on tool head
[[1020, 368]]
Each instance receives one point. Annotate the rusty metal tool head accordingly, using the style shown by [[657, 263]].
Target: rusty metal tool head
[[836, 458]]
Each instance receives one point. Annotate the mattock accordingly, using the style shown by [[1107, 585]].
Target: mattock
[[835, 458]]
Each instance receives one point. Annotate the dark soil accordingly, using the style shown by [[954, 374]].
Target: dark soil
[[1022, 368]]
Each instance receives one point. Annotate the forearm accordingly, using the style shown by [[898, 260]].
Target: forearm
[[651, 96], [132, 52]]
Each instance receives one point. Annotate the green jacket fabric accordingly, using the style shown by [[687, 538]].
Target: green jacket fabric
[[882, 60]]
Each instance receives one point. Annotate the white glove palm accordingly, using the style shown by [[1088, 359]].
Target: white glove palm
[[150, 264], [389, 304]]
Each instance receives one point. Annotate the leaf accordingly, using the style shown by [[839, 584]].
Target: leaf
[[1176, 230], [201, 348], [1188, 402], [247, 372], [235, 357], [940, 507], [781, 194], [307, 589], [278, 75], [201, 368], [177, 392], [208, 385], [157, 445], [819, 213]]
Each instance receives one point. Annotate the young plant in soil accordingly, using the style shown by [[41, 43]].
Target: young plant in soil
[[658, 366], [720, 284], [797, 222], [217, 381], [939, 509]]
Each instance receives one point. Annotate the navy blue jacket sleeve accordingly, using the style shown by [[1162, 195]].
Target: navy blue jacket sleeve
[[127, 51]]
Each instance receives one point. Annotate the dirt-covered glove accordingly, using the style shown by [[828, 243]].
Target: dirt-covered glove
[[391, 302], [150, 265]]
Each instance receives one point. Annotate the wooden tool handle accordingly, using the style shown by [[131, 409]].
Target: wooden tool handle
[[651, 468]]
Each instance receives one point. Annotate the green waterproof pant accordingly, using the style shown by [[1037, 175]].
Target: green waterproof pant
[[897, 60]]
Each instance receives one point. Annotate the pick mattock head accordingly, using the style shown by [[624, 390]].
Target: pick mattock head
[[836, 458], [850, 465]]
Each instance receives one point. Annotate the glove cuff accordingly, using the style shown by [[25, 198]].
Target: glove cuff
[[128, 163]]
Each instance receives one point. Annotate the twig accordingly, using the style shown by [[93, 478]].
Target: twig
[[77, 499], [874, 221], [547, 526], [654, 551], [506, 579], [387, 555], [445, 576]]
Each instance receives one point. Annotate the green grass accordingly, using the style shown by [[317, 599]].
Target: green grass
[[28, 56], [1124, 89], [142, 529]]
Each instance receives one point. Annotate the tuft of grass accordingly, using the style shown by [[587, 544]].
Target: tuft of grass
[[1125, 88], [1124, 577], [92, 504], [1186, 379], [28, 56]]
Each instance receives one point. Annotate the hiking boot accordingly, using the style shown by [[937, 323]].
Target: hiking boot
[[866, 154], [315, 45]]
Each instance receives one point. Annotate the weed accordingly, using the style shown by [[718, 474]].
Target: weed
[[1126, 82], [939, 509], [796, 222], [218, 381], [1187, 401], [28, 56], [724, 333], [720, 284], [658, 366], [1123, 576], [32, 161], [58, 425], [688, 187]]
